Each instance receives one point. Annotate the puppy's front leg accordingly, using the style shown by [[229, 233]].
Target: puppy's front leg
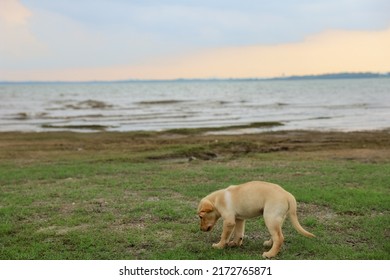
[[228, 226], [238, 233]]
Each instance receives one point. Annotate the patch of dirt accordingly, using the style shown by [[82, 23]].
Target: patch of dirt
[[61, 230], [362, 155], [321, 213], [362, 146]]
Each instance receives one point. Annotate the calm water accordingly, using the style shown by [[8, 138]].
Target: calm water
[[346, 105]]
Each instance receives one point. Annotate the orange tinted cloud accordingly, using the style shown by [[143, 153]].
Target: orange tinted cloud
[[327, 52], [17, 41], [13, 13]]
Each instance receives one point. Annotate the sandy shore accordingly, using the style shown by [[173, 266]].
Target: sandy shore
[[194, 144]]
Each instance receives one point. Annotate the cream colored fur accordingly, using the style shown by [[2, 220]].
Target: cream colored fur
[[235, 204]]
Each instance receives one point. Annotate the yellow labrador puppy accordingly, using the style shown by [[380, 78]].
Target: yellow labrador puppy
[[237, 203]]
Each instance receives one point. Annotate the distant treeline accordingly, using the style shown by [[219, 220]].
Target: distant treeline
[[362, 75]]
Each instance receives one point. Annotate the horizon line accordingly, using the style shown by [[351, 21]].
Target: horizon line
[[337, 75]]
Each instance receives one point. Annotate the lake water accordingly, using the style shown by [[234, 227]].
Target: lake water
[[343, 105]]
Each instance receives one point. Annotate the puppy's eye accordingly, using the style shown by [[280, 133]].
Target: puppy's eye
[[200, 217]]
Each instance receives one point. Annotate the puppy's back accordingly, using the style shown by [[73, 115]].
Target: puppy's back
[[256, 186]]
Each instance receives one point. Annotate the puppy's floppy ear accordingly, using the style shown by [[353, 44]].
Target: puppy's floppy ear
[[206, 207]]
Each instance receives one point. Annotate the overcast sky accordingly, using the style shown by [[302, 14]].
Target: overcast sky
[[167, 39]]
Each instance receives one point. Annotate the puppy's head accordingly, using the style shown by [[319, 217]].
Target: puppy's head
[[208, 215]]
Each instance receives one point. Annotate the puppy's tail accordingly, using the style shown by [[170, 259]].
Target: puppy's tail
[[292, 212]]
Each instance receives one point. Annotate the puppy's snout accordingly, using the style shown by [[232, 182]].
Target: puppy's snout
[[208, 228]]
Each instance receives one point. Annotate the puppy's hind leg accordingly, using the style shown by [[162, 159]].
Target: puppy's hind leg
[[274, 225]]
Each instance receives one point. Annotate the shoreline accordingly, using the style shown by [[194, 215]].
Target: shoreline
[[233, 129], [183, 145]]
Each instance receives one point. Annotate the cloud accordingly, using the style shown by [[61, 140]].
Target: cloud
[[327, 52], [13, 13], [18, 42], [118, 39]]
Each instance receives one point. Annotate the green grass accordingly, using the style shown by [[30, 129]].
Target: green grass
[[121, 204]]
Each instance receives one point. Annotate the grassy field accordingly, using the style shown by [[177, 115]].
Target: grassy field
[[134, 195]]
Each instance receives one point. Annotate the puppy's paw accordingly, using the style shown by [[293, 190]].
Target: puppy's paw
[[267, 255], [268, 243], [235, 243], [218, 246]]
